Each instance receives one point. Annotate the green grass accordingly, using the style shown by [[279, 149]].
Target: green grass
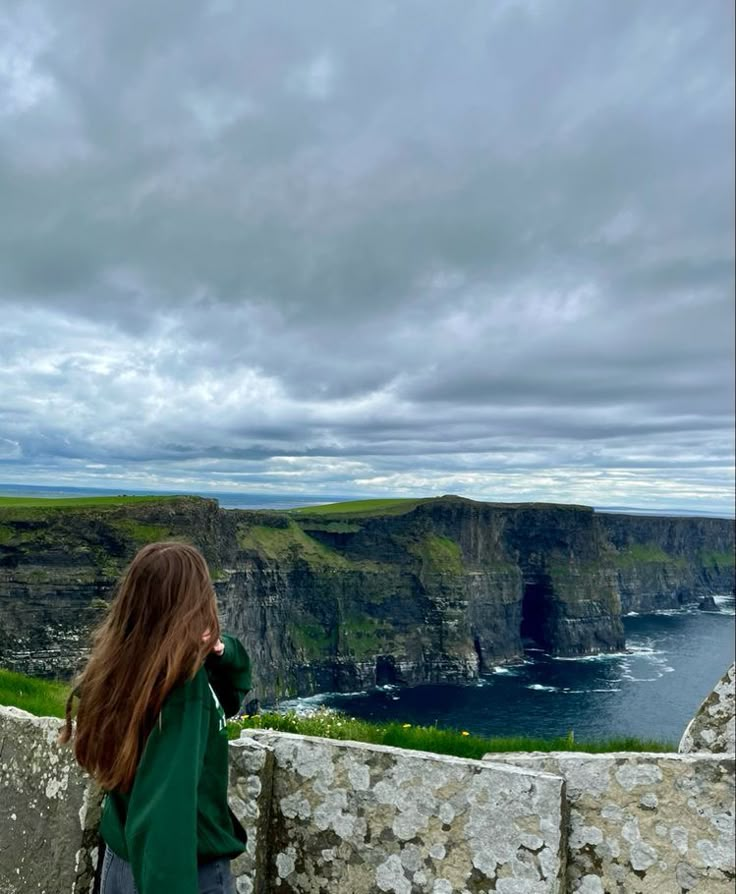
[[79, 502], [438, 554], [311, 638], [45, 698], [362, 636], [459, 743], [7, 535], [714, 559], [291, 543], [396, 506], [331, 527], [142, 532], [646, 553]]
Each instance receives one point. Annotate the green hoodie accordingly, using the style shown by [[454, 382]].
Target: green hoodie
[[176, 814]]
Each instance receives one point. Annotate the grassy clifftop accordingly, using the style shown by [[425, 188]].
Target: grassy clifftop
[[81, 502], [364, 508]]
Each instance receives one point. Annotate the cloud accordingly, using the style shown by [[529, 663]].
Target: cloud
[[402, 247]]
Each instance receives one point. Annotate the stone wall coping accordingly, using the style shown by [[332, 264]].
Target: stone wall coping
[[20, 714], [683, 757], [256, 735], [49, 724]]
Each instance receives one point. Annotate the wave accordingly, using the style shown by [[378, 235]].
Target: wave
[[642, 649], [655, 659], [310, 704], [586, 691], [726, 604], [540, 688], [601, 656], [670, 612]]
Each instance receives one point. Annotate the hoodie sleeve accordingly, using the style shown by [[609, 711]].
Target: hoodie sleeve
[[161, 830], [230, 674]]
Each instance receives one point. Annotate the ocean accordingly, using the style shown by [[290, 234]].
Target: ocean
[[652, 690]]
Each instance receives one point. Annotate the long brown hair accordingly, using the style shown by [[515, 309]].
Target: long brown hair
[[150, 640]]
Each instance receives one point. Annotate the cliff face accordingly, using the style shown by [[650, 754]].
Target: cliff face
[[665, 563], [437, 590], [58, 569]]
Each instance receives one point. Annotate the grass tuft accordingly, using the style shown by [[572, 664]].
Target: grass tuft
[[460, 743], [45, 698]]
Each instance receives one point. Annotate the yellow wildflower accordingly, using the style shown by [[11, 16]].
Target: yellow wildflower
[[406, 726], [465, 733]]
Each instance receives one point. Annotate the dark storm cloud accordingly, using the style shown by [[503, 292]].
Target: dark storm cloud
[[417, 245]]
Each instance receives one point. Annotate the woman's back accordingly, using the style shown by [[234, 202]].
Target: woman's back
[[151, 726]]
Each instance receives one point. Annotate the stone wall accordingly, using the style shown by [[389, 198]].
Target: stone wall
[[366, 818], [49, 810], [326, 816], [641, 823], [713, 728]]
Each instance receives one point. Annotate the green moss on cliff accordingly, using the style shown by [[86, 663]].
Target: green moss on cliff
[[291, 543], [713, 559], [333, 527], [363, 636], [646, 553], [312, 639], [439, 555], [141, 532]]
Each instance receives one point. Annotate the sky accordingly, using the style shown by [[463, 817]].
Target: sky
[[386, 248]]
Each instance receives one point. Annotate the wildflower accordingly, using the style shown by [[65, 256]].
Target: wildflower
[[465, 733], [406, 726]]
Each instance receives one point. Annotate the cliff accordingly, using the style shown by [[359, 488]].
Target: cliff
[[350, 597], [665, 563]]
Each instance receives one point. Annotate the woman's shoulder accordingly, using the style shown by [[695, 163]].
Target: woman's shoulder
[[189, 691]]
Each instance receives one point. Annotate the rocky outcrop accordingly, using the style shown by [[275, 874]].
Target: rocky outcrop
[[58, 569], [713, 728], [421, 591]]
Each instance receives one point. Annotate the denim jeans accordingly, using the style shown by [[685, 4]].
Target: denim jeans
[[117, 877]]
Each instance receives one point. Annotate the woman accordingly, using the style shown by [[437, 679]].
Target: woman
[[151, 728]]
